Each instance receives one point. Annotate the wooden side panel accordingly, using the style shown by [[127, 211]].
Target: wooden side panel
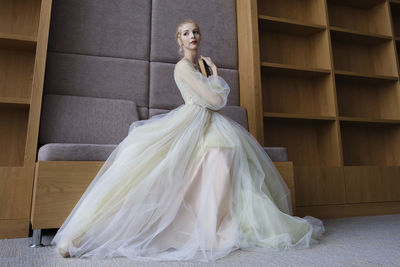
[[319, 186], [58, 187], [249, 66], [15, 192], [372, 183], [37, 85], [14, 228]]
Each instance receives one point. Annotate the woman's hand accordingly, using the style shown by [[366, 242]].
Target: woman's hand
[[211, 64]]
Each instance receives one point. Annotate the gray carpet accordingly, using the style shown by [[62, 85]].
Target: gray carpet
[[355, 241]]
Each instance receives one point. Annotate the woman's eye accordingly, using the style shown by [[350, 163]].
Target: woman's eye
[[185, 34]]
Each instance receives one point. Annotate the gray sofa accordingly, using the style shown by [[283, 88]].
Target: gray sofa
[[110, 63]]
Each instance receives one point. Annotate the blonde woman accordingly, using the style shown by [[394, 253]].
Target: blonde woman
[[191, 184]]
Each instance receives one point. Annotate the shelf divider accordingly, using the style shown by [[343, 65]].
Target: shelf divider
[[294, 70], [17, 41], [343, 34], [15, 100], [271, 23], [369, 120], [363, 77], [298, 116]]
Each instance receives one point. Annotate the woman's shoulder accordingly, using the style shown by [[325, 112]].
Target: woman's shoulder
[[182, 66], [183, 63]]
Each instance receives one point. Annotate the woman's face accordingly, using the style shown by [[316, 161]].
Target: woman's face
[[190, 36]]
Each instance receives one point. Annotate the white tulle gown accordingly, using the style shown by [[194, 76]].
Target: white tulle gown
[[188, 184]]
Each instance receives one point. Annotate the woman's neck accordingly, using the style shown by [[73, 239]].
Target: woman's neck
[[191, 56]]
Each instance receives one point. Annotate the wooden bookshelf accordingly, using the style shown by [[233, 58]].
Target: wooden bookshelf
[[24, 26], [329, 82]]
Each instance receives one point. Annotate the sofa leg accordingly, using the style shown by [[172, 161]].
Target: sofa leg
[[36, 238]]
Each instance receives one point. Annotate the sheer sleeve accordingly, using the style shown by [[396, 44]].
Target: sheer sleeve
[[212, 92]]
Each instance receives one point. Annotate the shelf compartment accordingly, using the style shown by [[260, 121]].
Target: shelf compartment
[[297, 51], [395, 10], [363, 100], [288, 26], [367, 16], [16, 73], [368, 143], [308, 142], [377, 60], [319, 186], [13, 135], [15, 41], [297, 96], [307, 11], [20, 17], [372, 183], [338, 33]]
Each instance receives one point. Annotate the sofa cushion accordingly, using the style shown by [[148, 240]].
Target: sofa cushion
[[85, 120], [74, 152], [105, 77], [105, 28], [93, 152]]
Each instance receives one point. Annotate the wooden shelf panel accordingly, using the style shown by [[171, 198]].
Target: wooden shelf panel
[[370, 143], [20, 17], [319, 186], [292, 70], [309, 142], [361, 4], [363, 99], [342, 34], [307, 11], [366, 16], [311, 51], [16, 41], [15, 202], [288, 26], [298, 116], [363, 77], [297, 94], [368, 120], [14, 123], [372, 183], [15, 101]]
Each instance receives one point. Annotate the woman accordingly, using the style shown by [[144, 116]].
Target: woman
[[189, 184]]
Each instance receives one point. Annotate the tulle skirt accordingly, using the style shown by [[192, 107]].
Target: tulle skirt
[[190, 184]]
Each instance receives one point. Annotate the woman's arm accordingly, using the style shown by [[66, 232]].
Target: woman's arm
[[213, 90]]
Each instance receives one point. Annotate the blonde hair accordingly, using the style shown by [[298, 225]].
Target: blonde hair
[[178, 31]]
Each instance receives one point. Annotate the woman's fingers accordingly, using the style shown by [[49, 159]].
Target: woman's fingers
[[208, 61]]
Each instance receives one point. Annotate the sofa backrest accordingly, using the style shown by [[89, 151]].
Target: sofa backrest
[[126, 49]]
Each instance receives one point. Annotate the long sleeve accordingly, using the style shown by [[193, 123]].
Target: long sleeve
[[212, 92]]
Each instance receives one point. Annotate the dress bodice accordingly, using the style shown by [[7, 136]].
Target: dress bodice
[[211, 92]]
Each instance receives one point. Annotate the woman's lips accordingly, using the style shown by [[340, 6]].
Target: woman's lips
[[193, 42]]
